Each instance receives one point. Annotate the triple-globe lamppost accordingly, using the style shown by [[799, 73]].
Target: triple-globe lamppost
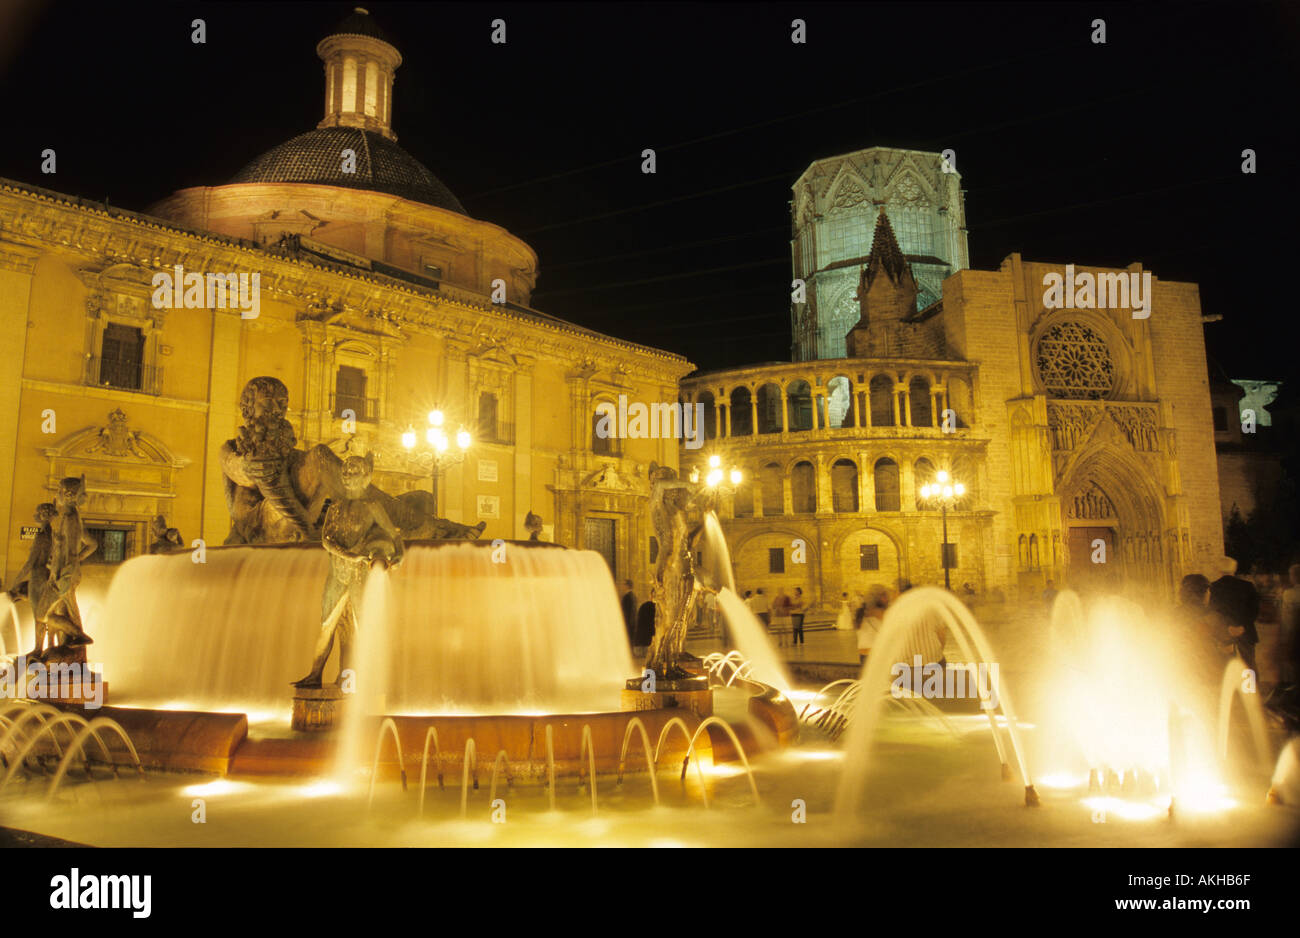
[[945, 492], [439, 448]]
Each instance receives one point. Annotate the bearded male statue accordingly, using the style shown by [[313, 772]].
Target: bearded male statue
[[276, 492]]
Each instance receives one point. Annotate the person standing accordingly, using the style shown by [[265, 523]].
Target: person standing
[[1289, 627], [645, 630], [870, 615], [1237, 601], [763, 609], [629, 612], [844, 623], [780, 615], [798, 606]]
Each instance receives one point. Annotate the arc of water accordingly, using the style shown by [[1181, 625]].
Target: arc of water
[[48, 728], [431, 735], [471, 755], [589, 749], [982, 658], [735, 741], [636, 724], [496, 765], [1231, 687], [92, 729], [889, 644], [690, 752], [550, 765], [391, 727], [36, 711]]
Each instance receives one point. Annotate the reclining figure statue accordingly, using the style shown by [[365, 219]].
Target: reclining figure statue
[[277, 493]]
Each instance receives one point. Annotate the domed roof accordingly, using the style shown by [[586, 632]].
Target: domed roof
[[382, 166], [360, 23]]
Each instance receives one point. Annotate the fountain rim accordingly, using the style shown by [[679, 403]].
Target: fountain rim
[[420, 542]]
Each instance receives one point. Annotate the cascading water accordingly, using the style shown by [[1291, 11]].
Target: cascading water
[[540, 631], [752, 641], [16, 636]]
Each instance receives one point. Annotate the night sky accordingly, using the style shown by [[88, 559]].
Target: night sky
[[1069, 151]]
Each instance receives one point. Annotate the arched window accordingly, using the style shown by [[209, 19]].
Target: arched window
[[769, 409], [887, 486], [839, 401], [922, 474], [844, 486], [743, 503], [742, 412], [773, 498], [882, 401], [803, 488], [919, 395], [710, 416], [799, 402]]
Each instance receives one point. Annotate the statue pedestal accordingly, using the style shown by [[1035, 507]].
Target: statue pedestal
[[316, 708], [65, 678], [692, 694]]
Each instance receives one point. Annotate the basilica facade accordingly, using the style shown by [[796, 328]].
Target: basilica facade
[[363, 285], [1081, 432]]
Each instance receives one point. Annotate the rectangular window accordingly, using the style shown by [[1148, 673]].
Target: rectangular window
[[350, 394], [776, 560], [487, 416], [948, 558], [869, 557], [114, 544], [121, 357]]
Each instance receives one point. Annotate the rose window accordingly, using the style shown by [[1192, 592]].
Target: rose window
[[1074, 362]]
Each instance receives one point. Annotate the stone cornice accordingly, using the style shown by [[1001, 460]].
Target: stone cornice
[[36, 218]]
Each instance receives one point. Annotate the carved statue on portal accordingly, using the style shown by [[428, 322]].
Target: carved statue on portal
[[675, 589], [276, 492], [164, 538], [31, 579], [55, 609], [357, 534]]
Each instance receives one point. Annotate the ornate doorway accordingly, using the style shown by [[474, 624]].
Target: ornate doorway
[[1110, 500]]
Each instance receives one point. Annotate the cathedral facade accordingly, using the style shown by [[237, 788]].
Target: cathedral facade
[[1081, 432], [359, 281]]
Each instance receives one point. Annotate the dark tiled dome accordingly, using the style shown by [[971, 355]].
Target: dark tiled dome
[[382, 166], [360, 23]]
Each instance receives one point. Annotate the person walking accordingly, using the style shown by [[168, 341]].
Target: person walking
[[780, 615], [870, 615], [798, 606]]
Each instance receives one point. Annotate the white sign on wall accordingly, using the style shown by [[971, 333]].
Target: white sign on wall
[[487, 470], [489, 506]]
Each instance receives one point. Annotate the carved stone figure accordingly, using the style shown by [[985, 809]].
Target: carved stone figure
[[276, 492], [358, 533], [675, 589], [164, 538], [31, 579], [55, 610]]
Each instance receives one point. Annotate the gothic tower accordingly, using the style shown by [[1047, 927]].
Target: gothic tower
[[834, 220], [886, 293]]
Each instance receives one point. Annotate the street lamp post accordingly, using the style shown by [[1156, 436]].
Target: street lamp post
[[436, 437], [945, 492]]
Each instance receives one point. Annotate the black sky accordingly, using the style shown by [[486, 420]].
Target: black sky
[[1069, 151]]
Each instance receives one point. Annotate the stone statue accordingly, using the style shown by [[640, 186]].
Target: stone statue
[[276, 492], [35, 573], [357, 533], [55, 610], [164, 538], [533, 525], [675, 589]]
